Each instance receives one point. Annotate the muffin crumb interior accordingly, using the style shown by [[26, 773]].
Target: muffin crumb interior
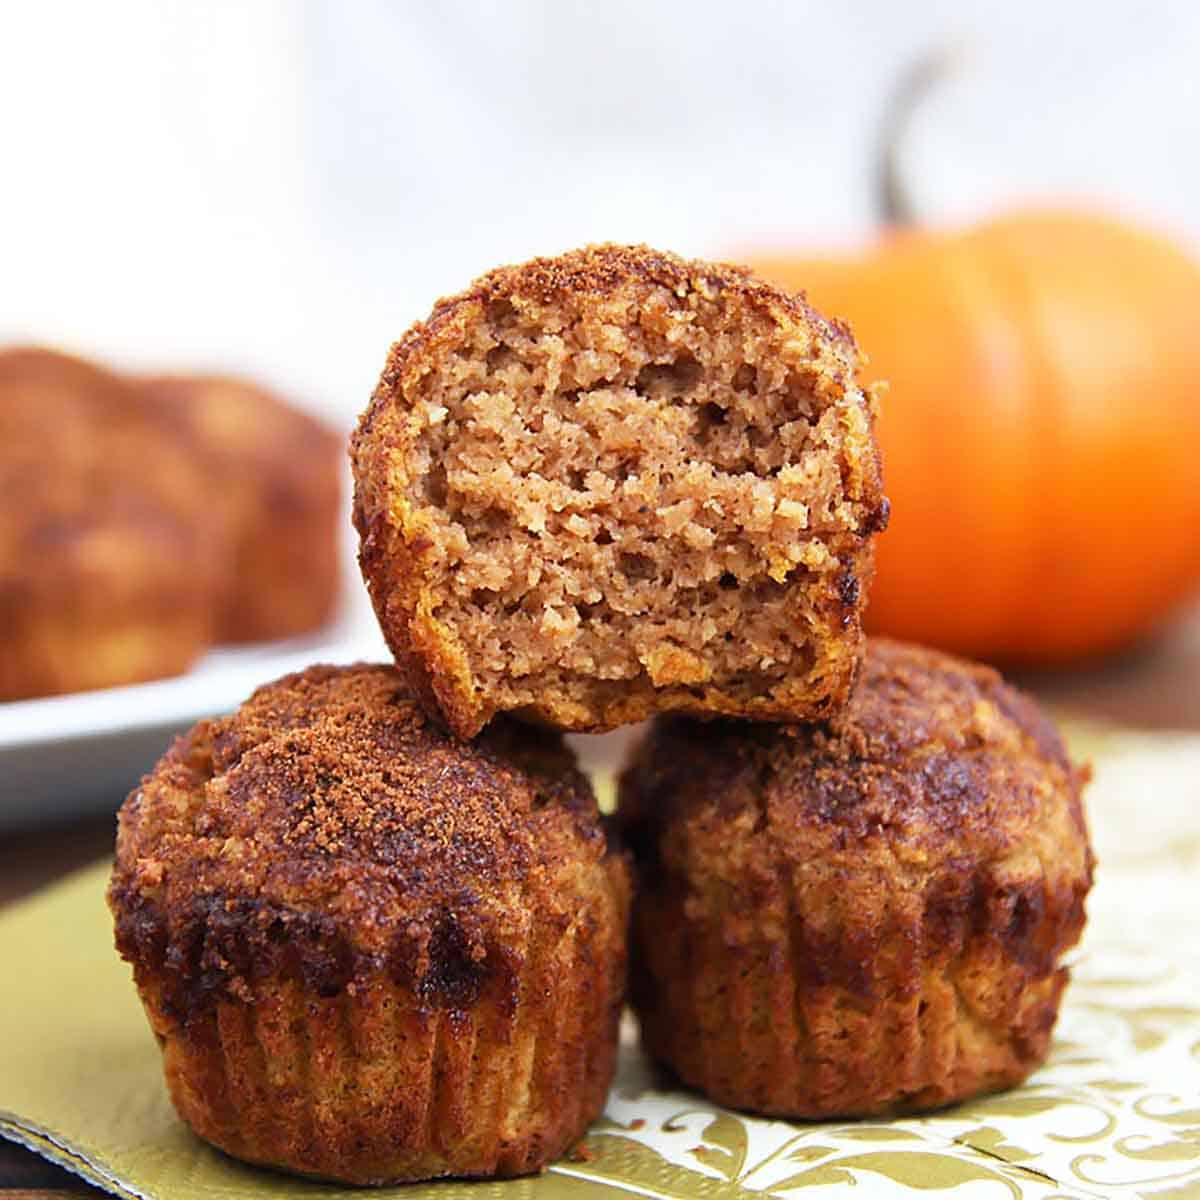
[[631, 493]]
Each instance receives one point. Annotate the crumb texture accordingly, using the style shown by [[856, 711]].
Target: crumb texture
[[372, 953], [863, 916], [595, 486]]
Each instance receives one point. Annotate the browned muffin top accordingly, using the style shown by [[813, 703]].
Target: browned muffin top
[[329, 803], [934, 760], [578, 278]]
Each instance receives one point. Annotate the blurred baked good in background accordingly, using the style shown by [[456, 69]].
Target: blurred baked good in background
[[109, 563], [275, 482], [141, 523]]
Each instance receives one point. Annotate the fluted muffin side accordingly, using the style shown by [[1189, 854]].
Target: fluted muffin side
[[371, 953], [864, 917]]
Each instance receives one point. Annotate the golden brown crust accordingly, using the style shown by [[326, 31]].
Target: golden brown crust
[[275, 485], [401, 558], [865, 916], [598, 271], [374, 953], [107, 565]]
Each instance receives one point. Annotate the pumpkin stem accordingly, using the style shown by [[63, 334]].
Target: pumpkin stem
[[896, 208]]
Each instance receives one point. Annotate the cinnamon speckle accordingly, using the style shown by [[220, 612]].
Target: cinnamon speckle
[[327, 823]]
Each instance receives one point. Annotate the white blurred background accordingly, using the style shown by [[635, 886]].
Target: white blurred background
[[281, 187]]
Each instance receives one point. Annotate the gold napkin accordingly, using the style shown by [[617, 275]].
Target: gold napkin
[[1114, 1113]]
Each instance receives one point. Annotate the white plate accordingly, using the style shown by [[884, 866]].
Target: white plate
[[67, 755]]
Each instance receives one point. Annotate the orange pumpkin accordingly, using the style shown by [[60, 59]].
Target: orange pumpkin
[[1041, 431]]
